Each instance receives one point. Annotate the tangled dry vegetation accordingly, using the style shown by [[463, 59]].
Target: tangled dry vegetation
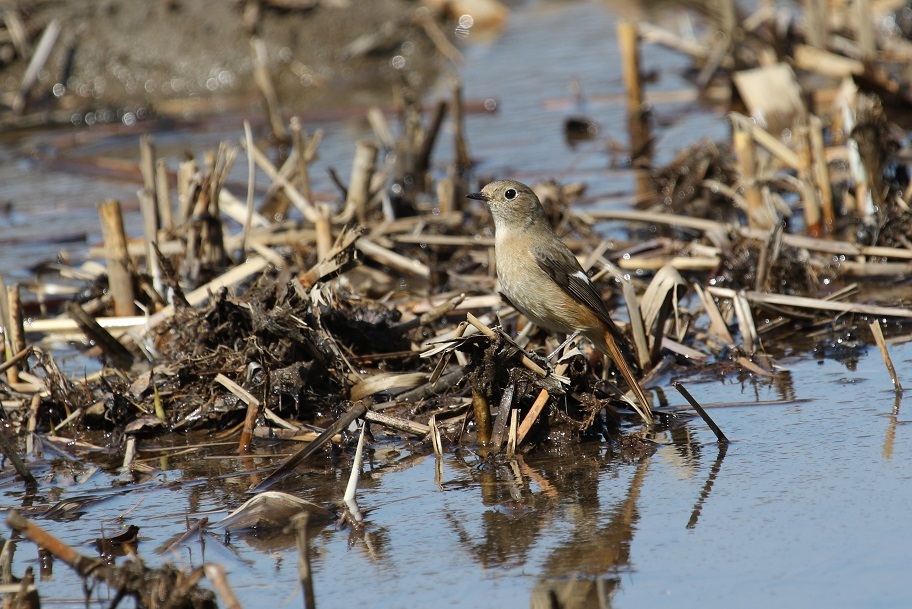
[[380, 302]]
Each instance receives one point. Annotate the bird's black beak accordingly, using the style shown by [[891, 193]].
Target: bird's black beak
[[478, 196]]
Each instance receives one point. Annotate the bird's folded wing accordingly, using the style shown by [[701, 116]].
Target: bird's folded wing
[[562, 266]]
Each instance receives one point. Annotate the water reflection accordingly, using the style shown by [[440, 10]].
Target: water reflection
[[890, 438], [532, 500], [707, 486]]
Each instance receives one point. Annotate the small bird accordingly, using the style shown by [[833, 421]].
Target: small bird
[[541, 277]]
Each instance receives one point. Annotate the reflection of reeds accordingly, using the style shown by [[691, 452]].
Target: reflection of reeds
[[877, 331]]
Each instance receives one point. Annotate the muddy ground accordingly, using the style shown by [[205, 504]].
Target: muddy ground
[[183, 54]]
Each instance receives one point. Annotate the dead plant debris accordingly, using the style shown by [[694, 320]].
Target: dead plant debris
[[296, 325]]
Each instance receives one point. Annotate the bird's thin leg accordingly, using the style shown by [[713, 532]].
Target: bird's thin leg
[[563, 344]]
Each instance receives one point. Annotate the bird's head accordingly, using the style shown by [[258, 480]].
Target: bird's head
[[512, 204]]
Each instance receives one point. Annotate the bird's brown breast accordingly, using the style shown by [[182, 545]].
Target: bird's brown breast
[[535, 294]]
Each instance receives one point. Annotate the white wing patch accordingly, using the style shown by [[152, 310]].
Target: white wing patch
[[582, 277]]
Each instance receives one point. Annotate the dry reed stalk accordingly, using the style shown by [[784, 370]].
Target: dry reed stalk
[[253, 408], [502, 417], [812, 303], [637, 328], [263, 80], [323, 229], [251, 186], [357, 463], [412, 223], [717, 325], [6, 346], [397, 423], [660, 300], [147, 168], [163, 196], [446, 240], [59, 325], [877, 331], [380, 127], [187, 173], [865, 36], [637, 118], [14, 361], [216, 575], [680, 263], [513, 433], [26, 593], [423, 160], [35, 65], [703, 414], [849, 268], [363, 166], [800, 241], [537, 406], [769, 253], [32, 426], [126, 470], [447, 200], [720, 49], [815, 22], [85, 566], [483, 423], [422, 16], [149, 210], [826, 63], [435, 386], [848, 98], [433, 314], [808, 184], [120, 278], [356, 411], [434, 435], [822, 173], [304, 205], [463, 160], [196, 528], [768, 141], [303, 154], [651, 33], [392, 259], [341, 258], [119, 355], [743, 140], [15, 331], [18, 33], [628, 41], [232, 207], [746, 324]]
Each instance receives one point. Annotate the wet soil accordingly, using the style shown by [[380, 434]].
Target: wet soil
[[117, 58]]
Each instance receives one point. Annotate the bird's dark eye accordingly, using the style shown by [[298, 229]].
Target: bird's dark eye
[[510, 194]]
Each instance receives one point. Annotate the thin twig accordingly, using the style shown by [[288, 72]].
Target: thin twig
[[703, 414], [877, 331]]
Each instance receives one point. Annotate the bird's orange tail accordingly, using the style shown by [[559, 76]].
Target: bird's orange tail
[[615, 352]]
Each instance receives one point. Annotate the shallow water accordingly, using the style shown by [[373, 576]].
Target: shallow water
[[806, 508]]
